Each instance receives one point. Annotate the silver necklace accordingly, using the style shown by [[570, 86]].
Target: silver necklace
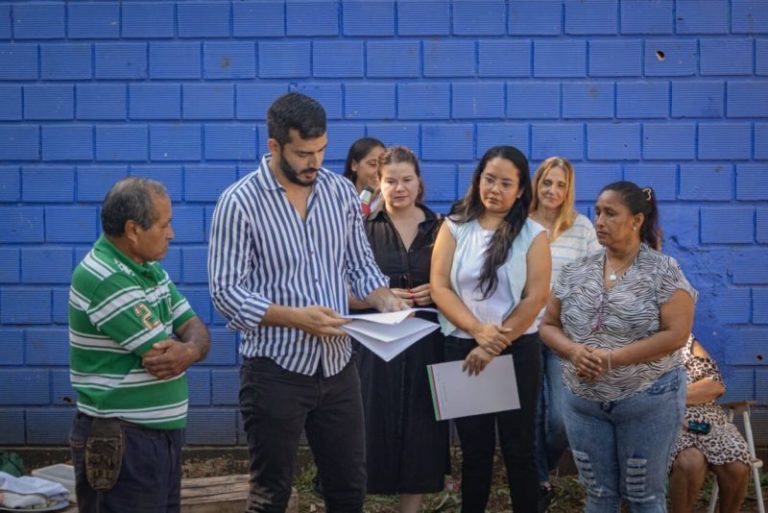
[[613, 274]]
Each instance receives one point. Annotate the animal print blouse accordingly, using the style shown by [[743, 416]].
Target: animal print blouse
[[700, 367], [611, 318]]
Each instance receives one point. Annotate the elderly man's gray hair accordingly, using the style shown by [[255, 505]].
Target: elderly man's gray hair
[[130, 199]]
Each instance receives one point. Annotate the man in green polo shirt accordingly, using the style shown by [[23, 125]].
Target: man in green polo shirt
[[132, 336]]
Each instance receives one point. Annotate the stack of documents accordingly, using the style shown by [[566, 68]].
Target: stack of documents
[[457, 394], [389, 334]]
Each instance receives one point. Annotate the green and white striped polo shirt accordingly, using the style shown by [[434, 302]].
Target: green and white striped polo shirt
[[117, 310]]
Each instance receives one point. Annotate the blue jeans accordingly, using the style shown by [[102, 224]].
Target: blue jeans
[[150, 476], [621, 448], [551, 439]]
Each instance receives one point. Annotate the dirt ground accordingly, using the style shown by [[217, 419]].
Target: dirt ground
[[219, 461], [569, 493]]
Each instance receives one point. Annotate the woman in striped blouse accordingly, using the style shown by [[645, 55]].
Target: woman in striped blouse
[[571, 237], [619, 318]]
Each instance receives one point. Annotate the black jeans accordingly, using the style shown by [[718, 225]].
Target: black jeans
[[276, 406], [150, 476], [516, 430]]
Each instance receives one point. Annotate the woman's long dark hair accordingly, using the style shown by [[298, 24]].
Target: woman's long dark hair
[[357, 152], [471, 207], [640, 201]]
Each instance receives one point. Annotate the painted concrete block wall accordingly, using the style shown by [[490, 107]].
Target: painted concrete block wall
[[672, 94]]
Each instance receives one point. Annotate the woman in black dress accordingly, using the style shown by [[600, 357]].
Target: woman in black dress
[[406, 448]]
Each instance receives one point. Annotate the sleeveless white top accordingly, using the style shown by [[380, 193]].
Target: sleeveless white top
[[471, 243]]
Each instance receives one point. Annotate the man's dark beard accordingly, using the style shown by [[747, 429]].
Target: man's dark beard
[[292, 175]]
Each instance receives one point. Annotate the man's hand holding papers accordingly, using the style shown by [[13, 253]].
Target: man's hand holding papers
[[318, 320], [384, 300]]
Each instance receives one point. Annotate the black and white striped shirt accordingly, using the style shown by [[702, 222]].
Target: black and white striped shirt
[[262, 253], [614, 317]]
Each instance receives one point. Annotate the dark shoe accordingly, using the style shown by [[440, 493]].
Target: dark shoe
[[546, 494], [317, 486]]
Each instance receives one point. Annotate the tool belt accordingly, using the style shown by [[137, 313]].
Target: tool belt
[[104, 453]]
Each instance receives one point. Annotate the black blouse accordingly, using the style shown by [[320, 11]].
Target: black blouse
[[406, 269]]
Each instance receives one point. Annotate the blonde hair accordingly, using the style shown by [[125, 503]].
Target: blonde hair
[[567, 215]]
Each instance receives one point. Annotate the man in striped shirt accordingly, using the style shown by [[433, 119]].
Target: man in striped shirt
[[287, 244], [132, 336]]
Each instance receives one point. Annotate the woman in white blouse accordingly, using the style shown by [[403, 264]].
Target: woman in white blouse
[[490, 276]]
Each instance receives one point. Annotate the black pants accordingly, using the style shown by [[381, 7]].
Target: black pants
[[277, 405], [150, 476], [516, 430]]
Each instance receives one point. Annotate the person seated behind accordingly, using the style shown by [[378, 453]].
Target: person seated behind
[[722, 449]]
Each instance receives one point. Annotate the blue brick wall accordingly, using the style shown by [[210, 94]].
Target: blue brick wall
[[668, 93]]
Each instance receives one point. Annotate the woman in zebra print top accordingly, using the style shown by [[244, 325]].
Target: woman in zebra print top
[[619, 318]]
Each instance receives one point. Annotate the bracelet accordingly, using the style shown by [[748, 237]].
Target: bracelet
[[609, 361]]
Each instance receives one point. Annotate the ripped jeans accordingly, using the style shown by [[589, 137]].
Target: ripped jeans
[[621, 448]]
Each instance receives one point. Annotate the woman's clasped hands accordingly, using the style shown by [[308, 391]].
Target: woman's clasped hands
[[590, 362], [416, 296], [491, 340]]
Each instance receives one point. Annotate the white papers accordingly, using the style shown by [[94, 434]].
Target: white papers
[[457, 394], [388, 317], [388, 334]]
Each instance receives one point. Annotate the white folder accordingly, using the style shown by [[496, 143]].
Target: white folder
[[457, 394]]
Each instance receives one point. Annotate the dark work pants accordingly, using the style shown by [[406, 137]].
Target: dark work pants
[[150, 476], [277, 405], [516, 431]]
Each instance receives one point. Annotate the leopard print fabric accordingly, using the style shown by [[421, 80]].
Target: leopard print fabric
[[723, 444]]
